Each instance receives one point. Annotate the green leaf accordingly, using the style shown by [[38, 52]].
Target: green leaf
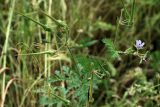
[[129, 51], [44, 100], [90, 43], [90, 63], [82, 92], [111, 49], [104, 26], [112, 69], [155, 61]]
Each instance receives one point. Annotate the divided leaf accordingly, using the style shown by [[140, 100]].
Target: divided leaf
[[129, 51], [111, 51]]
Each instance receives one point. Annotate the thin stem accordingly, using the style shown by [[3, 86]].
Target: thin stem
[[132, 12], [49, 37], [125, 9], [40, 53], [117, 31], [46, 28], [6, 48], [74, 61], [47, 46], [29, 89], [91, 89], [62, 99]]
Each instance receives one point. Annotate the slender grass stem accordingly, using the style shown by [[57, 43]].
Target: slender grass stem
[[62, 99], [132, 11], [126, 11], [117, 31], [74, 61], [49, 37], [46, 28], [40, 53], [91, 99], [29, 89], [5, 50]]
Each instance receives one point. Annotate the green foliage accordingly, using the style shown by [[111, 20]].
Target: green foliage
[[129, 51], [53, 95], [150, 2], [44, 100], [90, 63], [112, 69], [104, 26], [46, 28], [54, 29], [155, 61], [87, 42], [111, 50], [81, 83]]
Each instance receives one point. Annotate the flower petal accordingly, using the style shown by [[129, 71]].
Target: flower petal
[[142, 44], [139, 44]]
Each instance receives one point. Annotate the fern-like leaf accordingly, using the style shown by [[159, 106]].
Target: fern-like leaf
[[111, 51]]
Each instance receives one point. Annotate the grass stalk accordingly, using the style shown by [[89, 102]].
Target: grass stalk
[[47, 46], [132, 11], [117, 31], [91, 99], [5, 50]]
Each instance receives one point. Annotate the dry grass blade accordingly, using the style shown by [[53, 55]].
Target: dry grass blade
[[3, 70], [6, 90]]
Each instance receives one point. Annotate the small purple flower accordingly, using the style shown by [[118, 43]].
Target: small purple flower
[[139, 44]]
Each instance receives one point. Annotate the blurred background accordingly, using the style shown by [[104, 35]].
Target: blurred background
[[63, 61]]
